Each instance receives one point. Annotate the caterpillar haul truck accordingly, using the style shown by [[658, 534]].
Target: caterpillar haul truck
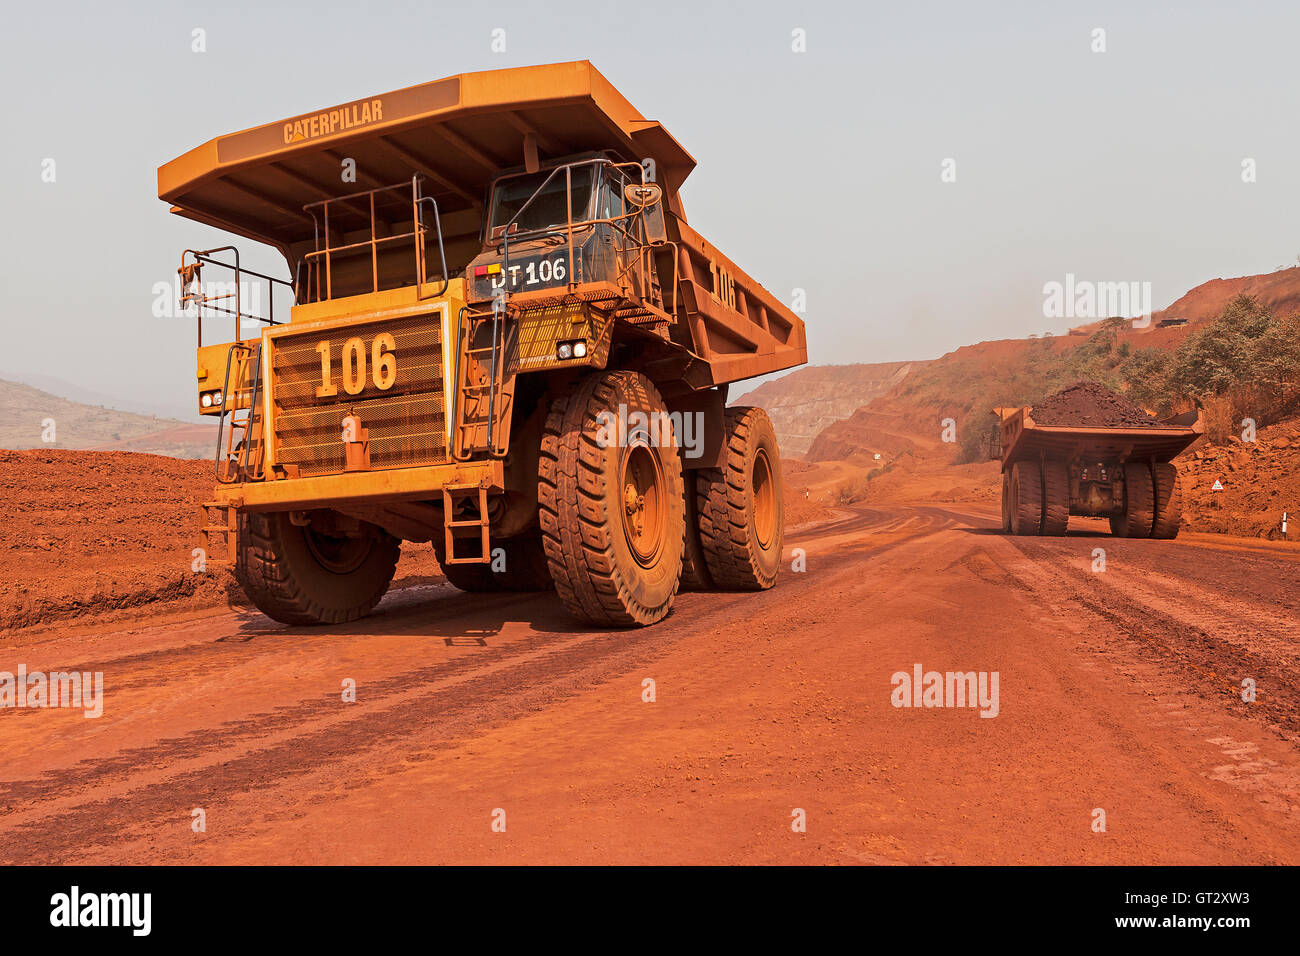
[[1125, 475], [503, 339]]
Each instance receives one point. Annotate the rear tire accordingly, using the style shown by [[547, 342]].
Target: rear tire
[[1026, 498], [695, 574], [1056, 497], [1139, 503], [742, 505], [612, 512], [295, 575], [1006, 502], [525, 567], [1168, 501]]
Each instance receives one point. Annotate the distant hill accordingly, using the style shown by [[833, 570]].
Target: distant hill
[[24, 411], [965, 384], [1278, 291], [804, 402]]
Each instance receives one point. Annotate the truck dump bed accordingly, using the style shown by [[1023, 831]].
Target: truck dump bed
[[460, 133], [1024, 439]]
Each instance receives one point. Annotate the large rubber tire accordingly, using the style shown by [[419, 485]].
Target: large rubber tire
[[1168, 501], [1026, 498], [695, 573], [1139, 503], [612, 512], [742, 504], [296, 576], [525, 567], [1056, 497], [1006, 502]]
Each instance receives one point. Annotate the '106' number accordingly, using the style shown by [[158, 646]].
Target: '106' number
[[383, 365]]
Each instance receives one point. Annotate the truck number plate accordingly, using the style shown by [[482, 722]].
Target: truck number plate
[[383, 365], [531, 272]]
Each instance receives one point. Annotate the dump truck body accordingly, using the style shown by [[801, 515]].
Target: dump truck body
[[1050, 472], [462, 257]]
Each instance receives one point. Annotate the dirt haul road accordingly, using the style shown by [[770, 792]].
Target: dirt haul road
[[1117, 691]]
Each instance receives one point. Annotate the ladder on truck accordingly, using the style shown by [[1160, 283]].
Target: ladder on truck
[[472, 500], [239, 445], [236, 459], [480, 402], [478, 414]]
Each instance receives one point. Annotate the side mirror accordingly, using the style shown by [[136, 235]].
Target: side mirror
[[642, 195]]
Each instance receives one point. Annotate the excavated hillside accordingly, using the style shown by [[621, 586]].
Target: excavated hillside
[[804, 402], [867, 433]]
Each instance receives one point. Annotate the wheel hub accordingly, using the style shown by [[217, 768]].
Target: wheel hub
[[765, 504], [336, 553], [642, 482]]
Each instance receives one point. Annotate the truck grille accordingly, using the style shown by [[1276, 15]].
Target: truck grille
[[407, 421]]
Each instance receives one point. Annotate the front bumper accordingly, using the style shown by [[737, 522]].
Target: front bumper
[[368, 487]]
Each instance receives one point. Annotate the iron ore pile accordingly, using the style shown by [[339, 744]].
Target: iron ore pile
[[1091, 405]]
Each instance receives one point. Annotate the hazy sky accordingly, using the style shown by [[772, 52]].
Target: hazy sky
[[819, 170]]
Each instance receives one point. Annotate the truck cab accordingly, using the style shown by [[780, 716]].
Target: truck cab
[[592, 220]]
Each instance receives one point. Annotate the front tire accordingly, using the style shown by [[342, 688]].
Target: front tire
[[610, 501], [296, 575]]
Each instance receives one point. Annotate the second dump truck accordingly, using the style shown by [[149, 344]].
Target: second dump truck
[[1122, 473], [502, 338]]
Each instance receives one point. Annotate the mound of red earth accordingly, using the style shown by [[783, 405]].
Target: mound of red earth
[[1258, 484], [1093, 405], [87, 533], [96, 531]]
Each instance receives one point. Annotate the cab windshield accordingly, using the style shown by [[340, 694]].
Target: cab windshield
[[547, 211]]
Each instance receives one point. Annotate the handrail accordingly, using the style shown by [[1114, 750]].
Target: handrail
[[442, 251], [191, 274], [417, 236]]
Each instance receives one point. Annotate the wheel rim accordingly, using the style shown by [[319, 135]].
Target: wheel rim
[[641, 503], [337, 554], [765, 504]]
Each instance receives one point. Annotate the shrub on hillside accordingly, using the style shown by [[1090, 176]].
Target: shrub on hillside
[[1246, 361]]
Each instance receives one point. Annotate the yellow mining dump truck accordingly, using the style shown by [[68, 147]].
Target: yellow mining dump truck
[[504, 339]]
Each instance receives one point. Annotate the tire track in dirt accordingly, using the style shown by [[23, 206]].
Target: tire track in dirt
[[474, 693], [1161, 631]]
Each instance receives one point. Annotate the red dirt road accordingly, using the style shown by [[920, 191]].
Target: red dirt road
[[1117, 690]]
